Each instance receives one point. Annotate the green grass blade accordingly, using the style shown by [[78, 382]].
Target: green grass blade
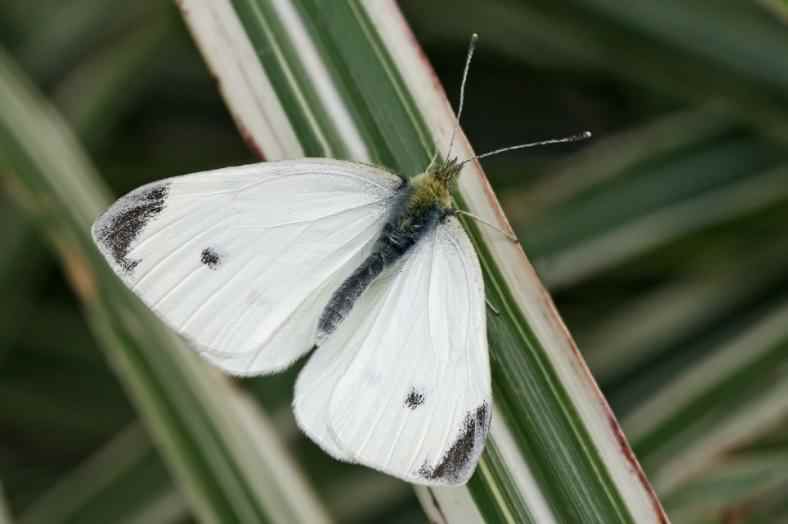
[[738, 391], [220, 449], [669, 318], [684, 49], [126, 477], [565, 445], [613, 156], [647, 206], [732, 486]]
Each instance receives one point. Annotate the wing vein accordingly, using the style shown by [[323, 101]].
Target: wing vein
[[301, 303], [238, 274], [437, 370], [150, 271]]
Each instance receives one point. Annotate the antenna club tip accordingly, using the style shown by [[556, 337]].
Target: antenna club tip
[[586, 134], [475, 36]]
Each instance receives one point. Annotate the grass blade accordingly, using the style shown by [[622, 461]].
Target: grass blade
[[219, 448], [126, 478], [715, 405]]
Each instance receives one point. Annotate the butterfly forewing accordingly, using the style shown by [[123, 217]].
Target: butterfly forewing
[[403, 385], [241, 261]]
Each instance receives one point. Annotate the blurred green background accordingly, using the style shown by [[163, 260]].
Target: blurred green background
[[662, 239]]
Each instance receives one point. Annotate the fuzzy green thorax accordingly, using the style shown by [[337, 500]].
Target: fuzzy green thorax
[[433, 186]]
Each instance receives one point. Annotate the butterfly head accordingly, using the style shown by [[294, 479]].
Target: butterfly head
[[445, 170], [434, 185]]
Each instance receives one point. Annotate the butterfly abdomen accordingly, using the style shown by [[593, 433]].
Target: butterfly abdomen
[[404, 228]]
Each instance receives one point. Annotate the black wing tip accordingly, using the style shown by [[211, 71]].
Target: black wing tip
[[460, 460], [119, 226]]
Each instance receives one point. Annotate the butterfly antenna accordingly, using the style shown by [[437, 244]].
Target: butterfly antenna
[[574, 138], [471, 49]]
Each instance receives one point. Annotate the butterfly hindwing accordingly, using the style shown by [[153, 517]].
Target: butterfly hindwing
[[403, 385], [241, 261]]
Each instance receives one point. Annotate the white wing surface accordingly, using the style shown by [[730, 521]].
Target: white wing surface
[[403, 385], [241, 261]]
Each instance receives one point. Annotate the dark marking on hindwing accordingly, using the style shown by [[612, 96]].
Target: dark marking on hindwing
[[455, 462], [414, 398], [137, 209], [210, 258]]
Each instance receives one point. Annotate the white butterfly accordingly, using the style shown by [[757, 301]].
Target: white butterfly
[[257, 265]]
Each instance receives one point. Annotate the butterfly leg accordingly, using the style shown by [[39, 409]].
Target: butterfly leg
[[508, 235]]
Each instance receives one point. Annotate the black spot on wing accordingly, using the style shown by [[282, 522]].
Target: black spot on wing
[[210, 258], [456, 460], [120, 229], [414, 398]]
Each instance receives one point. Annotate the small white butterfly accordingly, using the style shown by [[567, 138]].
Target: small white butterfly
[[257, 265]]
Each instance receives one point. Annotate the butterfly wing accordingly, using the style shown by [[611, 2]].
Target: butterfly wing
[[241, 261], [403, 385]]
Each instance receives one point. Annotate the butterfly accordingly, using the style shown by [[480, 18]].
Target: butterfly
[[257, 266]]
